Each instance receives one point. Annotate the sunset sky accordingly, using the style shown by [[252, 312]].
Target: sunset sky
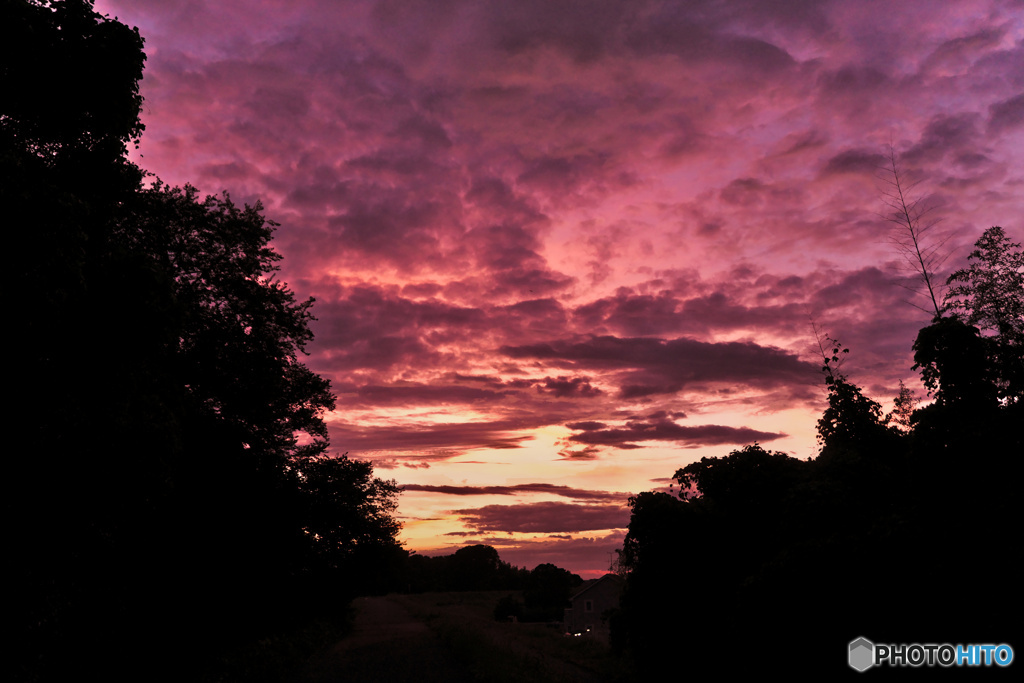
[[561, 249]]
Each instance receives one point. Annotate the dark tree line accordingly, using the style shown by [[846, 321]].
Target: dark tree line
[[470, 568], [168, 493], [544, 591], [905, 528], [540, 594]]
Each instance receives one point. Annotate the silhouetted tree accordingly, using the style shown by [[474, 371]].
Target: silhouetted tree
[[989, 294], [764, 548], [171, 443], [70, 80], [665, 536], [851, 420], [88, 396], [241, 332], [548, 589], [955, 366], [475, 567], [349, 523], [902, 409], [746, 478]]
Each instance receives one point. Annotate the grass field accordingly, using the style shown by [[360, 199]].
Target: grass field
[[503, 651]]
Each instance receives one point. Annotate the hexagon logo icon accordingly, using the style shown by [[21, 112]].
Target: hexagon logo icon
[[862, 654]]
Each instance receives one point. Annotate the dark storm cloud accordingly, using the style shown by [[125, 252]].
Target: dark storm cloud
[[587, 30], [581, 29], [852, 80], [377, 353], [588, 424], [497, 197], [717, 311], [504, 247], [322, 195], [516, 489], [395, 228], [532, 316], [665, 313], [672, 31], [679, 360], [743, 192], [439, 441], [587, 453], [646, 367], [782, 305], [867, 285], [1006, 114], [376, 328], [943, 134], [422, 290], [804, 141], [855, 161], [395, 165], [560, 176], [507, 266], [425, 394], [667, 430], [439, 392], [568, 387], [636, 314], [368, 312], [545, 517]]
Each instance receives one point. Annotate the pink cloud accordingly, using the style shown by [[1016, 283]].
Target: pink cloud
[[666, 430], [552, 489], [545, 517]]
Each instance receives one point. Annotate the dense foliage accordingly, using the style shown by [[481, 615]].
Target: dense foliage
[[904, 528], [169, 488], [474, 567], [987, 295]]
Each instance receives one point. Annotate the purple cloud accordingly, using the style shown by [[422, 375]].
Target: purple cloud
[[546, 517]]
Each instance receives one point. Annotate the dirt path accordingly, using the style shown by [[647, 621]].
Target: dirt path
[[387, 644]]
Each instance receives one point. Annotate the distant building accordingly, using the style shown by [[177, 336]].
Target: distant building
[[587, 615]]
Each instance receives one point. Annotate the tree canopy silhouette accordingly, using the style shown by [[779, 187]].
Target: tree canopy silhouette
[[989, 294], [71, 81], [171, 453], [764, 548], [240, 332]]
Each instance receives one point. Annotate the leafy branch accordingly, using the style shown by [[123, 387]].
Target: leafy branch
[[831, 362]]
